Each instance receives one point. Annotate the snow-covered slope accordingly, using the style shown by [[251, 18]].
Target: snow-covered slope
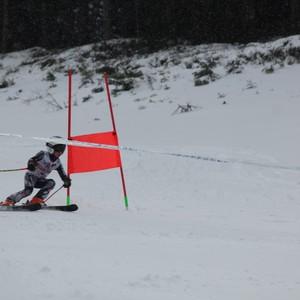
[[195, 229]]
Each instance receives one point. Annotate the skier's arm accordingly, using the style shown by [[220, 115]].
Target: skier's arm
[[31, 164], [63, 176]]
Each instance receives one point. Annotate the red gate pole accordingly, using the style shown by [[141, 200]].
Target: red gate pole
[[69, 126], [115, 131]]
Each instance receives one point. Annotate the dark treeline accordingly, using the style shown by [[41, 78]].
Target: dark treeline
[[66, 23]]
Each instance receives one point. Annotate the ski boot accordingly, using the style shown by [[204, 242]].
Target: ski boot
[[7, 202], [36, 200]]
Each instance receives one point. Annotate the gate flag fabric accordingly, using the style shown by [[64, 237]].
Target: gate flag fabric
[[87, 159]]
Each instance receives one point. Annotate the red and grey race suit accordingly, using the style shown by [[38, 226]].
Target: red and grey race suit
[[45, 163]]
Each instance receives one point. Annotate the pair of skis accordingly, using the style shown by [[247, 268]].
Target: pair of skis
[[38, 206]]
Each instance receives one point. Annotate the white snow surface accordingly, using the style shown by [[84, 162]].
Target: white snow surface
[[195, 229]]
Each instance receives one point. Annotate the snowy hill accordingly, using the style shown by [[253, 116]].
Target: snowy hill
[[195, 228]]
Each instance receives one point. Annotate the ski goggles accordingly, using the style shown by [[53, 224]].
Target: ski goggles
[[59, 148]]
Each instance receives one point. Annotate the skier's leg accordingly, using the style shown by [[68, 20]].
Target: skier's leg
[[29, 182], [45, 186]]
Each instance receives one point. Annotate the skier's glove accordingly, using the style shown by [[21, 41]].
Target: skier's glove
[[31, 166], [67, 182]]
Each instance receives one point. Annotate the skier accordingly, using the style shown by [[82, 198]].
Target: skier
[[39, 167]]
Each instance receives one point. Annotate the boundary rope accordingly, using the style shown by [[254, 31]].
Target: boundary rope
[[183, 155]]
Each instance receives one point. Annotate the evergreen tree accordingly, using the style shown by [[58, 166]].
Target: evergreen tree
[[66, 23]]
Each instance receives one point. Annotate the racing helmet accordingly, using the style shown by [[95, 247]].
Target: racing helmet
[[55, 146]]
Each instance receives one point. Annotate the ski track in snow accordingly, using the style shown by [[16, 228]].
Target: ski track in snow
[[181, 242]]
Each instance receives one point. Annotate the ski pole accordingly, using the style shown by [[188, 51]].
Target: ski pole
[[12, 170], [54, 193]]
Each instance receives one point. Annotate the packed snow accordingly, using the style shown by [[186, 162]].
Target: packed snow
[[213, 193]]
